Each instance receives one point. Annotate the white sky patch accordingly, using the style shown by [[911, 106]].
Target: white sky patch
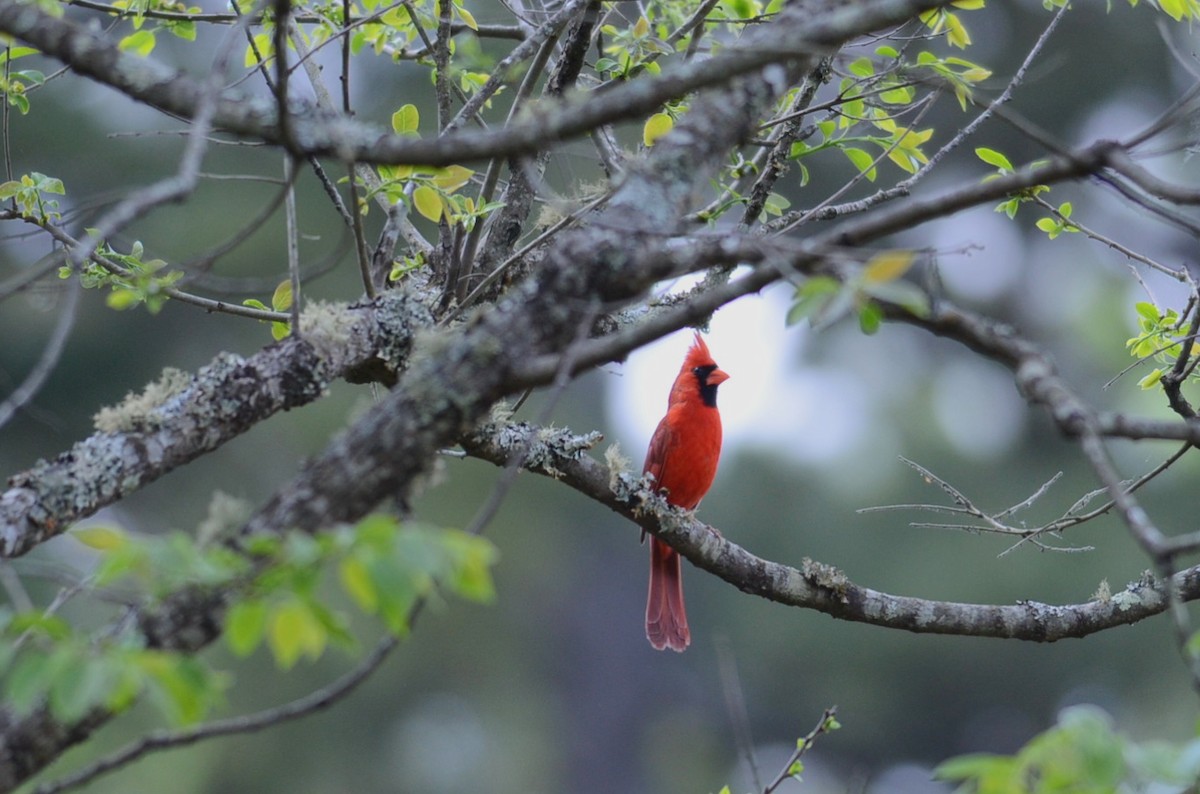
[[980, 274], [770, 401], [977, 407]]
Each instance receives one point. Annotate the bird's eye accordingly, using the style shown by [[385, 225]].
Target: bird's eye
[[698, 371]]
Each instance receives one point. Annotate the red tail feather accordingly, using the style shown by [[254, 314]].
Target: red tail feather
[[666, 620]]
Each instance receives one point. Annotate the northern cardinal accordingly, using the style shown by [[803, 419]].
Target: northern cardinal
[[683, 459]]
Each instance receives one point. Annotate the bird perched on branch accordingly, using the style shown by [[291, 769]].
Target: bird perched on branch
[[682, 458]]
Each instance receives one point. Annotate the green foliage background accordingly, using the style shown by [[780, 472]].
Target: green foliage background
[[552, 686]]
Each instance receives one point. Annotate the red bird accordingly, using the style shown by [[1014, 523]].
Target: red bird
[[683, 459]]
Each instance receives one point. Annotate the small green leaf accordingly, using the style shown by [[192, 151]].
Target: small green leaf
[[121, 299], [428, 202], [994, 158], [467, 18], [244, 626], [655, 127], [976, 766], [356, 581], [26, 682], [862, 67], [870, 317], [1151, 380], [294, 631], [140, 42], [406, 120], [862, 160], [1147, 310], [79, 685], [101, 538], [260, 49], [452, 177], [281, 299], [811, 298]]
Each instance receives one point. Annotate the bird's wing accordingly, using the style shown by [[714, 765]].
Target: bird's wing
[[656, 456]]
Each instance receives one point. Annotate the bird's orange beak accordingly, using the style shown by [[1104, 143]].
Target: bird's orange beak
[[717, 377]]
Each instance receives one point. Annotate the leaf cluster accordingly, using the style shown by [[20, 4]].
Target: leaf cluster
[[824, 300], [1161, 338], [1082, 754], [131, 278]]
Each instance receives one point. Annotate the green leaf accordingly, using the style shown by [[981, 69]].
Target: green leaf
[[471, 577], [452, 177], [862, 160], [51, 626], [1151, 380], [81, 683], [406, 120], [655, 127], [293, 631], [140, 42], [356, 580], [260, 49], [956, 33], [245, 625], [1049, 225], [101, 538], [467, 18], [121, 299], [49, 184], [1173, 8], [900, 95], [811, 297], [1147, 310], [994, 158], [978, 766], [870, 317], [26, 682], [428, 202], [182, 686], [281, 299], [184, 29], [902, 293], [862, 67]]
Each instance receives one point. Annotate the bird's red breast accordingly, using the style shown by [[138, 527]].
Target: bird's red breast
[[686, 444]]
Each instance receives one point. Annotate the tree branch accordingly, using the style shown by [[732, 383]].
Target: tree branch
[[815, 585]]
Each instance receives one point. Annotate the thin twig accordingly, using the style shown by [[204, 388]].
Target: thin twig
[[49, 358], [828, 723]]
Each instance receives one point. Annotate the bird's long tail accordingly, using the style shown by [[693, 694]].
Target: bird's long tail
[[666, 620]]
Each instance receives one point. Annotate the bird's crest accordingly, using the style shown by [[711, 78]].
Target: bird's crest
[[698, 355]]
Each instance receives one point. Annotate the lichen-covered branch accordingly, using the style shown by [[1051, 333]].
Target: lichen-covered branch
[[814, 585], [800, 31], [183, 417]]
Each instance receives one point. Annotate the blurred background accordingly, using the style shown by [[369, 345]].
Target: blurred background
[[553, 687]]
